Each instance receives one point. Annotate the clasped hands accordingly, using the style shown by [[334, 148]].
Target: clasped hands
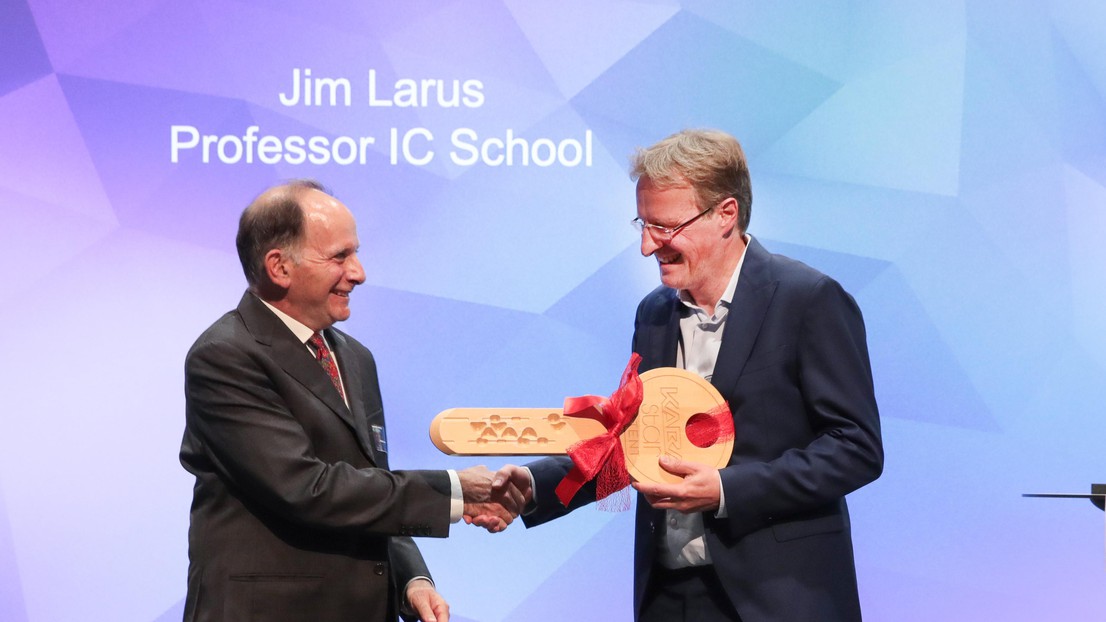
[[498, 498], [494, 499]]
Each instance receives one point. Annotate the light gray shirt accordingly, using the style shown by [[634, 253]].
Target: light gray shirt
[[684, 542]]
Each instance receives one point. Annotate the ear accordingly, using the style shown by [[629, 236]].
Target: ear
[[727, 211], [277, 267]]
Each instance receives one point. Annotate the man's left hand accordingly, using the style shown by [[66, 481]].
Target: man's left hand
[[698, 491], [427, 603]]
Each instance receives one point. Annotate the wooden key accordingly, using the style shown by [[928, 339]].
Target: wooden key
[[671, 397]]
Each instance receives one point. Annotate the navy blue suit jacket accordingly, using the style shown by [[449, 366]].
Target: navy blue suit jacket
[[794, 368]]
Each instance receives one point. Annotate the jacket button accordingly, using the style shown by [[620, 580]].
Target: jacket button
[[379, 569]]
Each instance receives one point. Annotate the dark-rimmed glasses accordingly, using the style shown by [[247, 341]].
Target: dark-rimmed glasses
[[662, 232]]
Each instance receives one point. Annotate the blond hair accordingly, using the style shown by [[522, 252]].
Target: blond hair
[[711, 161]]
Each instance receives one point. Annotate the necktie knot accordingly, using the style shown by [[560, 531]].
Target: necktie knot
[[322, 354]]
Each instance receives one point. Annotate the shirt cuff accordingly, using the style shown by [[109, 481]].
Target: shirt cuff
[[721, 513], [533, 505], [457, 499], [405, 605]]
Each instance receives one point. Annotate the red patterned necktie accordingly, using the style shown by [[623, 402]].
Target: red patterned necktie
[[322, 354]]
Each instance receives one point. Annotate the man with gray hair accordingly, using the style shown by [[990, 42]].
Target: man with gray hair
[[295, 513], [765, 538]]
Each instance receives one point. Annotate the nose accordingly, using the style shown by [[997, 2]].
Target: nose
[[649, 244], [354, 271]]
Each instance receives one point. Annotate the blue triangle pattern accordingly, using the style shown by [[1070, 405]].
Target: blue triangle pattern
[[21, 47]]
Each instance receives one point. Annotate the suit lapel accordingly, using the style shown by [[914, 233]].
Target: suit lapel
[[659, 336], [364, 416], [295, 359], [755, 289]]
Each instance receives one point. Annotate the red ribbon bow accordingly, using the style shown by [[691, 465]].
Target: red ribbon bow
[[602, 455]]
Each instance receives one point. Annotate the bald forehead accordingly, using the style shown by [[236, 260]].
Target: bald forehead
[[289, 193], [316, 203]]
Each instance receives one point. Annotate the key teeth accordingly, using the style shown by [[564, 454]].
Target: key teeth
[[462, 431]]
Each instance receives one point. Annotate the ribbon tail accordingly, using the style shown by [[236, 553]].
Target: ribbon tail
[[570, 485], [613, 477]]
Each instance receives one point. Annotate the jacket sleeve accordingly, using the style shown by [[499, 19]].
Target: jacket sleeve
[[547, 473], [242, 428], [832, 403], [407, 564]]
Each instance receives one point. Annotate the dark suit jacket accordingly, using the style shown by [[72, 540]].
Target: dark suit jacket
[[295, 515], [794, 368]]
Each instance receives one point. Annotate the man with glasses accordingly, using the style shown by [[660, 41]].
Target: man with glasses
[[767, 537]]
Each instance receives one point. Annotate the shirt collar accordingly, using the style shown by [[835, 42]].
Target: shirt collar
[[302, 332], [727, 295]]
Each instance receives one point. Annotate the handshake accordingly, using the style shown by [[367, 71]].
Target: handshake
[[493, 499]]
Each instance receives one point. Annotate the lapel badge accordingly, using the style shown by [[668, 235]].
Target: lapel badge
[[380, 439]]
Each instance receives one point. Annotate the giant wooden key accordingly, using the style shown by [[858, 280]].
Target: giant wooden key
[[671, 397]]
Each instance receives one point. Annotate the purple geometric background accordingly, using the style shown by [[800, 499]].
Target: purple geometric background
[[946, 161]]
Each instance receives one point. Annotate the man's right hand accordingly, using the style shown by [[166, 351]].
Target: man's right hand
[[511, 482], [488, 506]]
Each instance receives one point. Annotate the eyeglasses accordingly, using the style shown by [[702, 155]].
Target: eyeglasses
[[665, 233]]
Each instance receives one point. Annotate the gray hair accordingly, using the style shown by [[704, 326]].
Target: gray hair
[[272, 220]]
